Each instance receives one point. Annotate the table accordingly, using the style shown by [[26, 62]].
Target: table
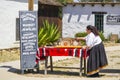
[[44, 52]]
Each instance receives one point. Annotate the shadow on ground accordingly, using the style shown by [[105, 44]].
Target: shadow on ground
[[110, 71], [56, 72], [11, 69]]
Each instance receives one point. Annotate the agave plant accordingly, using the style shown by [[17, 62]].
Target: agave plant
[[48, 34]]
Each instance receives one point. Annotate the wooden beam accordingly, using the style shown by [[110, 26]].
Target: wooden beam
[[30, 5]]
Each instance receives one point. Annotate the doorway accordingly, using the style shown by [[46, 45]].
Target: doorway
[[99, 20]]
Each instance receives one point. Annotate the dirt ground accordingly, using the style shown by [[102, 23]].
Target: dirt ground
[[69, 68], [65, 69]]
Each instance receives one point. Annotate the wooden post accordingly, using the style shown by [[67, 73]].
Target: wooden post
[[81, 62], [46, 62], [85, 55], [84, 66], [30, 5], [51, 63]]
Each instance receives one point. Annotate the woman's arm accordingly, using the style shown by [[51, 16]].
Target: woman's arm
[[80, 38]]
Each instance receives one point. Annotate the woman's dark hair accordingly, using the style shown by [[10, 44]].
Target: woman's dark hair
[[93, 29]]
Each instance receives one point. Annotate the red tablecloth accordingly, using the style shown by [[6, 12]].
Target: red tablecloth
[[53, 51]]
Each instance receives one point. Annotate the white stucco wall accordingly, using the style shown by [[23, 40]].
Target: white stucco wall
[[111, 29], [9, 11], [76, 18]]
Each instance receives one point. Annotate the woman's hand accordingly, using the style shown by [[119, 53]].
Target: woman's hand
[[88, 47], [79, 38]]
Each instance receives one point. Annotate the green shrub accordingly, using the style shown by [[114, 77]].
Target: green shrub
[[81, 34], [102, 36], [48, 34], [117, 41]]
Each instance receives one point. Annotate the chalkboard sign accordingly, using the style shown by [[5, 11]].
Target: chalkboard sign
[[28, 38]]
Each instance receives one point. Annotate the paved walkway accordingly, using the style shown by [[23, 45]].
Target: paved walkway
[[8, 70]]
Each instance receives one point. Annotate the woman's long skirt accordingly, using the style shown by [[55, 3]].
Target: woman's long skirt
[[97, 59]]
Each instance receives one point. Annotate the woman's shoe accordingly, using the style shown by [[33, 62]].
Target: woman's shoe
[[94, 75]]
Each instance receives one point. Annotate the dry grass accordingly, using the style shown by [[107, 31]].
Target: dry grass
[[6, 56], [116, 56], [110, 43]]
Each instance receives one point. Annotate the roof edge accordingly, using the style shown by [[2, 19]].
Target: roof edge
[[94, 3]]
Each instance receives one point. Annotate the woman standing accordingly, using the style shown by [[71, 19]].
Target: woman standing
[[97, 57]]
